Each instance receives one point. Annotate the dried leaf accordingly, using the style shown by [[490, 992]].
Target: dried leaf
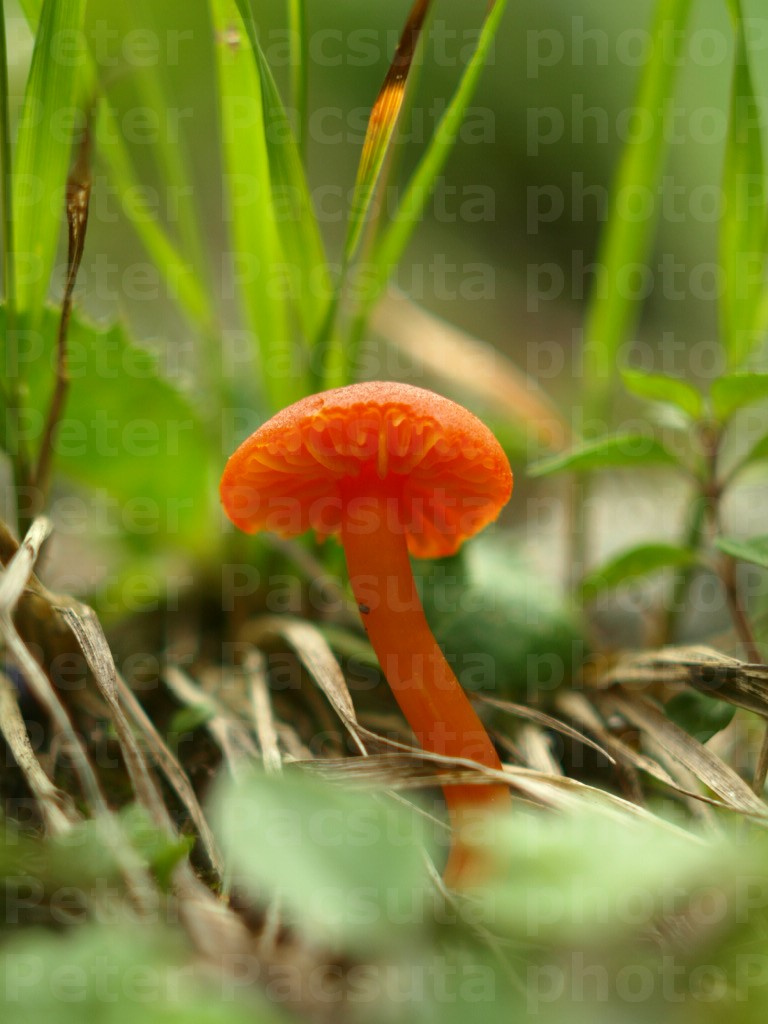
[[709, 769]]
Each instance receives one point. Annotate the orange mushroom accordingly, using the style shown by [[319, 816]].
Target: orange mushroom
[[393, 469]]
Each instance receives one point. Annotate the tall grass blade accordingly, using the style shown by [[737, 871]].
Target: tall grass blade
[[382, 124], [299, 33], [391, 244], [743, 225], [42, 155], [310, 281], [254, 229], [626, 240], [183, 283]]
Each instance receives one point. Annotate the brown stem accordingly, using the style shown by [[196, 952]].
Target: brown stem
[[78, 200]]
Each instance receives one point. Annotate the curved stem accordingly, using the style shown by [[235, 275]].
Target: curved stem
[[425, 687]]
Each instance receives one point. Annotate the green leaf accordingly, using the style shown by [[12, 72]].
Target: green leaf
[[661, 388], [339, 861], [757, 453], [504, 627], [566, 876], [127, 432], [754, 550], [734, 391], [698, 714], [248, 186], [617, 450], [391, 244], [641, 560], [743, 223], [118, 973], [42, 154], [627, 239]]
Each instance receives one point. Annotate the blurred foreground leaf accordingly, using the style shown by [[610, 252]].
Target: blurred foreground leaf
[[734, 391], [117, 975], [349, 867]]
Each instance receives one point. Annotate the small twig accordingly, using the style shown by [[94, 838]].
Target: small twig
[[78, 201]]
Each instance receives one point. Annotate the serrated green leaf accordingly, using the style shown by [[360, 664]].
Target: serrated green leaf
[[743, 223], [42, 155], [661, 388], [126, 431], [618, 450], [641, 560], [754, 550], [338, 860], [737, 390]]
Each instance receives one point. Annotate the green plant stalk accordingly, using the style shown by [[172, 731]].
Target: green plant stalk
[[610, 313], [694, 534]]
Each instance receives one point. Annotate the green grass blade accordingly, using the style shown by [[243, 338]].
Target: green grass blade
[[299, 231], [393, 240], [743, 225], [183, 283], [299, 33], [42, 156], [382, 123], [626, 241], [155, 91], [253, 225]]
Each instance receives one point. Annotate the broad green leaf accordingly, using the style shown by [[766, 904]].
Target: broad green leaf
[[392, 242], [641, 560], [699, 714], [743, 223], [126, 431], [257, 249], [382, 124], [754, 550], [299, 231], [505, 628], [339, 861], [618, 450], [626, 240], [737, 390], [660, 388]]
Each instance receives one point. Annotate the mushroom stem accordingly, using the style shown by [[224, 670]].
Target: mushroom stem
[[428, 692]]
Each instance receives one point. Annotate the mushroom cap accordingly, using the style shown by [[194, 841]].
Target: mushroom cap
[[444, 472]]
